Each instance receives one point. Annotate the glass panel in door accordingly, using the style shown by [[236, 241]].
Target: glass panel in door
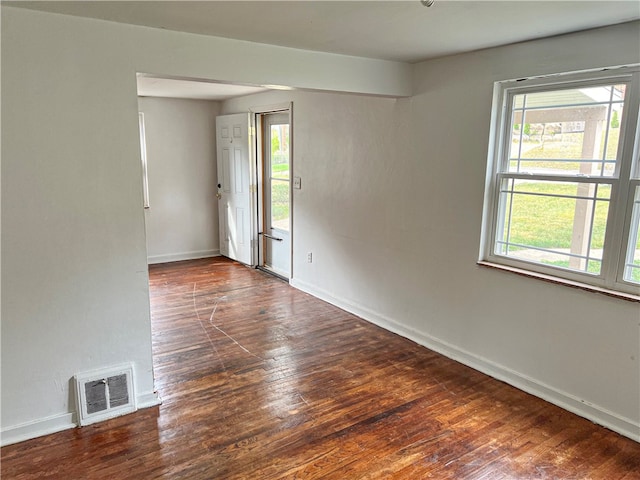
[[276, 194]]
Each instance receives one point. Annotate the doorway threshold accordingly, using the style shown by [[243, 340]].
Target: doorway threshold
[[273, 273]]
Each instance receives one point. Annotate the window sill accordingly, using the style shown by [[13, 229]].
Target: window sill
[[562, 281]]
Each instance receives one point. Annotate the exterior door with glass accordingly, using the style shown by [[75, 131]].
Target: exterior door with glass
[[275, 233]]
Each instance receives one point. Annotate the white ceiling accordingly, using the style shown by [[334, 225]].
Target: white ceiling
[[400, 30], [152, 86]]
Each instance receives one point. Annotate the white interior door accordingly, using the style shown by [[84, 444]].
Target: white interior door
[[234, 180], [275, 241]]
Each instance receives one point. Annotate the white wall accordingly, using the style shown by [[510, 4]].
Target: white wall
[[391, 208], [578, 348], [182, 221], [74, 260]]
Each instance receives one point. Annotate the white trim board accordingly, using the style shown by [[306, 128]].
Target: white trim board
[[601, 416], [37, 428], [149, 399], [58, 423], [177, 257]]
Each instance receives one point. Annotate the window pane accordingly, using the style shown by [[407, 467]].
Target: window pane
[[553, 223], [567, 132], [280, 151], [280, 204], [632, 264], [143, 157], [635, 172]]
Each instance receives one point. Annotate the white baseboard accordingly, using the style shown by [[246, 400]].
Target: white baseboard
[[177, 257], [149, 399], [567, 401], [58, 423], [37, 428]]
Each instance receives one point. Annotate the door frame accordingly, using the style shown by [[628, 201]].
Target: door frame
[[256, 114]]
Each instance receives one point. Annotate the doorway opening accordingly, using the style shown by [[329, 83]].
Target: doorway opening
[[273, 166]]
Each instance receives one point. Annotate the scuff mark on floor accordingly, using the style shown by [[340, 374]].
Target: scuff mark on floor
[[204, 329], [215, 306]]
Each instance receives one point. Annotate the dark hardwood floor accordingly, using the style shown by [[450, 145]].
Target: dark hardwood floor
[[261, 381]]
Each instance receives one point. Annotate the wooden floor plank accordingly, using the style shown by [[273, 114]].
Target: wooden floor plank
[[261, 381]]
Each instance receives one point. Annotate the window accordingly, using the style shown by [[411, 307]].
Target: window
[[143, 157], [563, 180], [279, 174]]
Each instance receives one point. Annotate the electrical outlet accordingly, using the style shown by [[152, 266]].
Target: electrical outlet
[[297, 183], [309, 257]]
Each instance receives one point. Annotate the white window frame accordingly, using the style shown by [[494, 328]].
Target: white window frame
[[619, 227], [143, 158]]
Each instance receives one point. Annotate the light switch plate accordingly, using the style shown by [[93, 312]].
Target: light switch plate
[[297, 183]]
